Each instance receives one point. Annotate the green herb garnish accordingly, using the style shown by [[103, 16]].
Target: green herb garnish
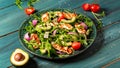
[[98, 17], [29, 3]]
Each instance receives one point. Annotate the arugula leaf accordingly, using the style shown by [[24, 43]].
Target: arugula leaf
[[97, 17], [30, 3], [48, 47], [18, 3]]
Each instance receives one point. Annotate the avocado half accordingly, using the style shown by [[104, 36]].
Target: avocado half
[[19, 57]]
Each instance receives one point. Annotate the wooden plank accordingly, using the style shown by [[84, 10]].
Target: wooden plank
[[115, 63], [113, 17], [8, 44], [6, 3]]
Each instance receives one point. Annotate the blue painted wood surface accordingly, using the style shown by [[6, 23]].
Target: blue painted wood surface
[[105, 52]]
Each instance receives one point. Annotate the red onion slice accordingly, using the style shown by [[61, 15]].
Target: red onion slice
[[74, 33], [34, 22], [27, 37], [59, 52], [54, 32], [84, 25]]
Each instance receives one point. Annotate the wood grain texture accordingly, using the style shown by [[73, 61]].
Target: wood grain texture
[[111, 64], [105, 49]]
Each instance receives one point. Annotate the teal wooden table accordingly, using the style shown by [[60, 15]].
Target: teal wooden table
[[104, 53]]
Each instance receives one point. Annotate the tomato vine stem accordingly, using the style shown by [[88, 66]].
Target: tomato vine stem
[[99, 22]]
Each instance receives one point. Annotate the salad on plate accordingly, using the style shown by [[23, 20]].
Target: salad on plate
[[57, 33]]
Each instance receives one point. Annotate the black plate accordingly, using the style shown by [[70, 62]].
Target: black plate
[[22, 32]]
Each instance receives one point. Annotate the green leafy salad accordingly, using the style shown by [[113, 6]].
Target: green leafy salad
[[57, 33]]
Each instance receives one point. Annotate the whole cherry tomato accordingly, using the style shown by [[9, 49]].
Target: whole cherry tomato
[[86, 6], [95, 8], [76, 45], [29, 10]]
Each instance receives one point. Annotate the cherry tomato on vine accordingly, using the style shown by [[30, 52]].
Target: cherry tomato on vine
[[29, 10], [95, 8], [76, 45], [86, 6]]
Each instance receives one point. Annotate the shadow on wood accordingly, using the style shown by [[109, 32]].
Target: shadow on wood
[[31, 64]]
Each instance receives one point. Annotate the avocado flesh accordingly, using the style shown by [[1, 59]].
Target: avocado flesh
[[19, 63], [69, 21]]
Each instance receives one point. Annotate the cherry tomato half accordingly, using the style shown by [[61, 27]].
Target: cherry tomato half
[[86, 6], [29, 10], [76, 45], [95, 8], [61, 17]]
